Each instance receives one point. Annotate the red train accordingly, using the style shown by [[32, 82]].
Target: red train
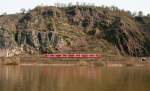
[[73, 55]]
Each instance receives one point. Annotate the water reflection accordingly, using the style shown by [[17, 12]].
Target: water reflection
[[45, 78]]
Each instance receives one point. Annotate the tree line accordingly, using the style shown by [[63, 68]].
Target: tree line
[[84, 4]]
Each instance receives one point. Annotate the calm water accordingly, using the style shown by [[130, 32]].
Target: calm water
[[45, 78]]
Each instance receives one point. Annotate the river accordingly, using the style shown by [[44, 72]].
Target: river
[[72, 78]]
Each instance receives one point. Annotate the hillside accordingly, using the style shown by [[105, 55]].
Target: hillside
[[76, 29]]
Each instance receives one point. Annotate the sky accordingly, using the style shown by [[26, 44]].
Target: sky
[[14, 6]]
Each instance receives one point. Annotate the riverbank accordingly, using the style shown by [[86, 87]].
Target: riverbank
[[110, 62]]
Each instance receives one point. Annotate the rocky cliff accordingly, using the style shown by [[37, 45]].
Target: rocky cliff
[[76, 29]]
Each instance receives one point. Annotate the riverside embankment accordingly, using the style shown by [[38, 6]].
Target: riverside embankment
[[40, 60]]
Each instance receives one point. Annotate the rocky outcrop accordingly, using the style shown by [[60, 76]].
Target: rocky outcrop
[[40, 40], [76, 29], [121, 31], [6, 39]]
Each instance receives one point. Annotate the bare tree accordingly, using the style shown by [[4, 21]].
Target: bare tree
[[77, 3], [148, 15], [134, 13], [140, 13], [23, 10], [69, 4], [84, 3]]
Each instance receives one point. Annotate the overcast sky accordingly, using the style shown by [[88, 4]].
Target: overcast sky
[[13, 6]]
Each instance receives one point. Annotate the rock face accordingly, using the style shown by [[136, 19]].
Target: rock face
[[40, 40], [77, 29], [6, 39]]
